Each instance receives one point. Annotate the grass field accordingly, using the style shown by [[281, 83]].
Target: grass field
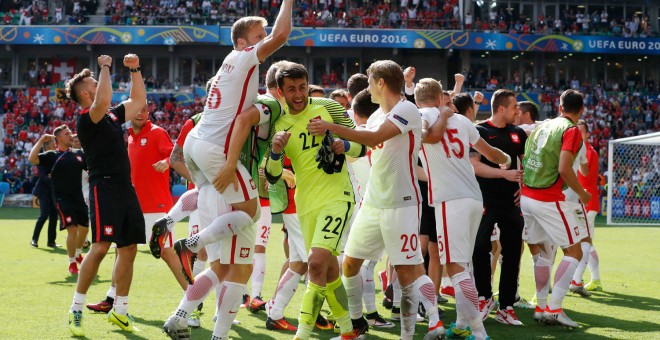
[[36, 292]]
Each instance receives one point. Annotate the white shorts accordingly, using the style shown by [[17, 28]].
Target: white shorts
[[297, 251], [263, 227], [457, 223], [495, 236], [347, 232], [591, 223], [553, 222], [394, 230], [205, 160], [193, 223], [149, 220]]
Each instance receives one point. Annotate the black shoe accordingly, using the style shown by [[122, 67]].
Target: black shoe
[[34, 243], [159, 234], [387, 303], [360, 326], [87, 244], [53, 245]]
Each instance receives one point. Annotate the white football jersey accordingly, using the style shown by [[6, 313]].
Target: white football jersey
[[234, 90], [360, 167], [580, 158], [392, 179], [447, 163]]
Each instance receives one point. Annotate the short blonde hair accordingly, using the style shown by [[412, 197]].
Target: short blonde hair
[[71, 86], [243, 25], [390, 72], [427, 90]]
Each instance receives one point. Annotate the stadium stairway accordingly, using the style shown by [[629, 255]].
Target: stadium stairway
[[99, 17]]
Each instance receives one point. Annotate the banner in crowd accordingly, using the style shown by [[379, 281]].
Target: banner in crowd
[[331, 37], [648, 209]]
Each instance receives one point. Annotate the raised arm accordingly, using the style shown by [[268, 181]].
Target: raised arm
[[103, 96], [34, 153], [280, 33], [138, 96]]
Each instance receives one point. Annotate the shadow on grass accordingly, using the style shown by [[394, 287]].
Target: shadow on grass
[[53, 250], [644, 303], [72, 279]]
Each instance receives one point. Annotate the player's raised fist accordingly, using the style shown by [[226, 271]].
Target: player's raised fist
[[459, 77], [478, 97], [47, 138], [104, 60], [131, 60], [409, 74], [279, 141]]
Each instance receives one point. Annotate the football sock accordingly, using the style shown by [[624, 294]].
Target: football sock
[[285, 290], [72, 259], [78, 302], [335, 294], [110, 295], [121, 305], [223, 226], [446, 282], [594, 267], [198, 267], [228, 302], [311, 305], [563, 276], [426, 290], [542, 279], [354, 290], [409, 307], [577, 277], [467, 304], [78, 252], [396, 290], [368, 285], [195, 294], [186, 204], [258, 273]]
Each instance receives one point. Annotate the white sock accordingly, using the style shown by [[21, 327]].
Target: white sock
[[396, 294], [467, 304], [195, 294], [224, 226], [112, 291], [72, 260], [78, 302], [228, 302], [121, 305], [542, 278], [340, 259], [446, 282], [535, 258], [409, 307], [563, 276], [285, 290], [186, 204], [368, 285], [78, 252], [425, 289], [198, 267], [354, 288], [258, 273], [594, 265], [577, 277]]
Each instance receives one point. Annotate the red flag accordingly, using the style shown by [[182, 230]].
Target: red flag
[[63, 69]]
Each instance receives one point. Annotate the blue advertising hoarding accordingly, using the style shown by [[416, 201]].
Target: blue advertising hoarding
[[331, 37]]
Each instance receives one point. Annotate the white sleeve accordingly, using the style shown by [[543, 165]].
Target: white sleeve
[[430, 116], [404, 116], [473, 133], [248, 57], [582, 155], [409, 90]]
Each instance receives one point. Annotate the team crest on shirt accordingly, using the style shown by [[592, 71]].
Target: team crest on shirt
[[265, 109], [515, 138], [108, 230], [143, 141], [68, 219], [245, 252], [112, 116]]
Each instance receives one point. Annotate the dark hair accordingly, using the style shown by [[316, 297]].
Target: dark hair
[[311, 88], [338, 93], [501, 98], [390, 72], [530, 107], [271, 81], [71, 88], [362, 104], [59, 129], [357, 83], [291, 70], [571, 101], [462, 102]]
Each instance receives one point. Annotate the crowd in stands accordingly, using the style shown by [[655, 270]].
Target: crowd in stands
[[47, 12]]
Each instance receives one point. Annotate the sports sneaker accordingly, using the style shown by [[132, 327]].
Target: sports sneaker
[[34, 243], [472, 337], [594, 286], [104, 306], [448, 290], [75, 323], [159, 234], [396, 315], [322, 323], [194, 321], [73, 268], [174, 330], [187, 259], [125, 322], [558, 316], [578, 288], [375, 320], [486, 306], [523, 303], [538, 314], [436, 332], [360, 329], [245, 301], [453, 332], [79, 259], [280, 324], [442, 299], [256, 304], [387, 303], [507, 316]]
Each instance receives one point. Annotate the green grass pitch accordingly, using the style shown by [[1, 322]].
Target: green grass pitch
[[36, 292]]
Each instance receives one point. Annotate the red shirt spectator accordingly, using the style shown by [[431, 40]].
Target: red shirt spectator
[[23, 135]]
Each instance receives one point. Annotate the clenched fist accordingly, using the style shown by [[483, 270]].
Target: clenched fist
[[131, 60]]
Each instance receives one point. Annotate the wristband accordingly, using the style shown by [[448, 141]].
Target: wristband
[[477, 102], [134, 70], [275, 156], [347, 145], [108, 65]]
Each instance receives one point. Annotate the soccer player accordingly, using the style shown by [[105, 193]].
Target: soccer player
[[548, 166], [389, 217], [590, 183], [500, 189], [66, 167], [455, 194], [115, 210], [323, 218], [43, 191]]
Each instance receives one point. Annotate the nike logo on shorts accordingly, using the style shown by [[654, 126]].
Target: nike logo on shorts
[[408, 257]]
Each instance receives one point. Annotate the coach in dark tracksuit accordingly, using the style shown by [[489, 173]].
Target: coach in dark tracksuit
[[43, 191], [500, 190]]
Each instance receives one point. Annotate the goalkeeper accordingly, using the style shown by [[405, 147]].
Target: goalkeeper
[[324, 196]]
